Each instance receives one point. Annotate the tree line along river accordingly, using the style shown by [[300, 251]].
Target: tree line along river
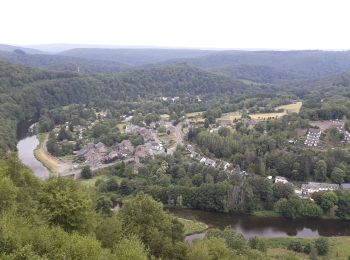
[[247, 225]]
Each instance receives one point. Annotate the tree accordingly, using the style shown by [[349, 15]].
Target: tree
[[282, 190], [8, 193], [65, 203], [322, 245], [321, 170], [109, 232], [338, 175], [86, 172], [145, 217], [328, 200], [343, 210], [104, 205], [130, 248]]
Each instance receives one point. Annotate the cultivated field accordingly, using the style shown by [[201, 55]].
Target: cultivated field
[[121, 127], [291, 108], [265, 116], [231, 116]]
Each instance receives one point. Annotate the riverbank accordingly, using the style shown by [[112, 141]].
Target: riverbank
[[42, 156], [278, 247], [192, 226]]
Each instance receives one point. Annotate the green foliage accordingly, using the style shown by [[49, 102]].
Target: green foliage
[[86, 172], [8, 193], [156, 229], [66, 204], [130, 248], [322, 245]]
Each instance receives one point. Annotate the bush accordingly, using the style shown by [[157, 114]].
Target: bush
[[307, 248], [86, 172], [295, 246], [322, 245]]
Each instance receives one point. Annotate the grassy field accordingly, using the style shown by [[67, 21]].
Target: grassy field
[[121, 127], [291, 108], [195, 116], [48, 161], [339, 248], [265, 116], [91, 182], [192, 226], [231, 116], [164, 117]]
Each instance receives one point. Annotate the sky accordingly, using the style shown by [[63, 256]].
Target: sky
[[226, 24]]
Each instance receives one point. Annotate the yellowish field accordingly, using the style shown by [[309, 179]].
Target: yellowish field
[[291, 108], [164, 117], [194, 114], [121, 127], [265, 116], [231, 116], [48, 161]]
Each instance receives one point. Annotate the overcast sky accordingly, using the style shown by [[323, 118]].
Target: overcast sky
[[273, 24]]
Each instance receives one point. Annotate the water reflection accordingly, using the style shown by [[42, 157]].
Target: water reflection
[[26, 149], [268, 227]]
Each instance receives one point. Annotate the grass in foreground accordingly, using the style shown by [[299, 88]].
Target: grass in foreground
[[193, 226], [43, 157], [339, 247]]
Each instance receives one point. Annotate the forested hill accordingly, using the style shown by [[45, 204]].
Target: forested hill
[[311, 64], [17, 76], [135, 56], [258, 73], [62, 63], [26, 92]]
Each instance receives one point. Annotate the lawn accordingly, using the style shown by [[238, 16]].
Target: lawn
[[231, 116], [193, 226], [91, 182], [265, 116], [291, 108], [339, 247], [47, 160]]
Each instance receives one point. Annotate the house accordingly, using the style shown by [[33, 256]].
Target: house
[[280, 179], [203, 160], [224, 122], [345, 186], [311, 187], [125, 147], [210, 162]]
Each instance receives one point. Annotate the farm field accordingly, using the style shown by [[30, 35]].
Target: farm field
[[265, 116], [291, 108], [195, 116], [231, 116], [121, 127]]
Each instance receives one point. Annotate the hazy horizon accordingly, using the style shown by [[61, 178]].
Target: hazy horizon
[[248, 25]]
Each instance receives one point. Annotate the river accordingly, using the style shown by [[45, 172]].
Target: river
[[250, 226], [26, 147], [247, 225]]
